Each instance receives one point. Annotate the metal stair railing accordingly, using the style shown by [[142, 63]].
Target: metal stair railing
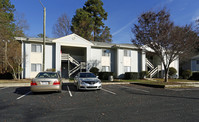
[[153, 72], [72, 60], [65, 56], [74, 70], [149, 64]]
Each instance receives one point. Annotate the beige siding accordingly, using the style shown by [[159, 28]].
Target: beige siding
[[127, 61], [35, 58], [105, 61]]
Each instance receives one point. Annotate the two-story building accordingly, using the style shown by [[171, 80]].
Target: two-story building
[[72, 54]]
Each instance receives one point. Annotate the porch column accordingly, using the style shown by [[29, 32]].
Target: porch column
[[88, 55], [58, 57], [143, 61]]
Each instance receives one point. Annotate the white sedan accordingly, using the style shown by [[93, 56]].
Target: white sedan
[[87, 81]]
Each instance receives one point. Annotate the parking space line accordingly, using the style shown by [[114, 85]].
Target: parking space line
[[134, 88], [23, 95], [109, 91], [69, 92]]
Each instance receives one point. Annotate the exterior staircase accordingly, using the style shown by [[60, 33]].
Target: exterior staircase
[[73, 61], [153, 70]]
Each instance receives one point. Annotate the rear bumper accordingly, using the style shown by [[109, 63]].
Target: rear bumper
[[45, 88]]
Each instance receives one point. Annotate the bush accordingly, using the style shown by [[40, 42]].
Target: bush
[[105, 75], [172, 71], [195, 76], [94, 70], [51, 70], [143, 74], [131, 75], [186, 74], [6, 76]]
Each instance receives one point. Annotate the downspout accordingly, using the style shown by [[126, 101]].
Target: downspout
[[22, 58]]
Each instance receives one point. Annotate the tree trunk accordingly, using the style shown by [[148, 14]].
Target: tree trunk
[[166, 74], [13, 74]]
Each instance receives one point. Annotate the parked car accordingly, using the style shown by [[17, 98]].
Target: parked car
[[87, 81], [46, 81]]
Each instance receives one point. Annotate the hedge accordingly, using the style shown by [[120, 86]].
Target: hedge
[[143, 74], [131, 75], [195, 76], [94, 70], [105, 75], [186, 74]]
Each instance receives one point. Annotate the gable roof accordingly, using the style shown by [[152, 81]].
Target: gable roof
[[73, 40]]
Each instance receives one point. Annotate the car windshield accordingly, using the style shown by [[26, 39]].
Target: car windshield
[[87, 75], [47, 75]]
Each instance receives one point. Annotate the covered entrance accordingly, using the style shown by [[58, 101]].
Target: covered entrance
[[73, 60]]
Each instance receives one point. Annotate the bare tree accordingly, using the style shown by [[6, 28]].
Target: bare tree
[[62, 26], [21, 24], [169, 42]]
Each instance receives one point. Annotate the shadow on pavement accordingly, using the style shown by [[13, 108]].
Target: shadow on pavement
[[22, 90]]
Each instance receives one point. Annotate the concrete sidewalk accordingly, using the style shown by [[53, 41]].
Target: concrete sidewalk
[[14, 84], [28, 84]]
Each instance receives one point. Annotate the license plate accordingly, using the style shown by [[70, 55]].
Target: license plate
[[44, 83]]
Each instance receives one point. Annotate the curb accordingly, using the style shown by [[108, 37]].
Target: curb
[[149, 85], [14, 84], [28, 84]]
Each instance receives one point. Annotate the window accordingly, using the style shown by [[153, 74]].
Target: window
[[47, 75], [197, 61], [127, 69], [127, 53], [36, 48], [35, 67], [105, 52], [105, 69]]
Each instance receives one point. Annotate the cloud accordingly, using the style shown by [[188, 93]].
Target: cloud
[[124, 27], [195, 16]]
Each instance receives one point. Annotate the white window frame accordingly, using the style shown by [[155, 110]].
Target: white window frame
[[127, 68], [36, 48], [106, 52], [35, 67], [127, 53], [105, 68]]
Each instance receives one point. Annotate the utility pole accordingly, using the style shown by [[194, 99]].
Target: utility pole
[[44, 34]]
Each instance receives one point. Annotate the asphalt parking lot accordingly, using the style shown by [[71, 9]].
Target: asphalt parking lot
[[125, 103]]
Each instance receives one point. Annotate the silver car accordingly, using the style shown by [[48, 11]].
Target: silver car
[[46, 81], [87, 81]]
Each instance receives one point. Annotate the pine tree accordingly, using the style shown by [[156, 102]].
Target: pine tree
[[88, 22]]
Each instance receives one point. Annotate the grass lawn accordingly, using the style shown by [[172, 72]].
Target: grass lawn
[[155, 81]]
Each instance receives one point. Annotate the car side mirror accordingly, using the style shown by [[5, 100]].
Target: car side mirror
[[97, 76]]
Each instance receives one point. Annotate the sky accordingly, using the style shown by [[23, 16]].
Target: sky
[[122, 14]]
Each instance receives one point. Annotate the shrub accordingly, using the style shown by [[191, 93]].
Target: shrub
[[143, 74], [186, 74], [172, 71], [131, 75], [51, 70], [195, 76], [94, 70], [105, 75]]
